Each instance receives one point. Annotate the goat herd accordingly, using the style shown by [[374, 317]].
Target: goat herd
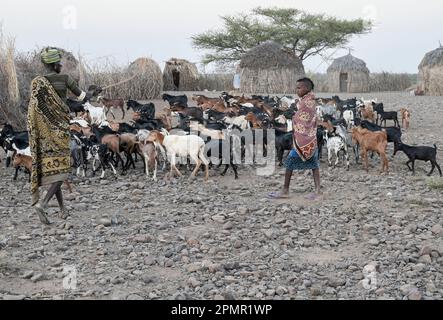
[[213, 132]]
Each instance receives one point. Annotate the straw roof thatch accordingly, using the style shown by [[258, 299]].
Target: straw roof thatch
[[433, 58], [269, 68], [431, 72], [348, 63], [357, 72], [180, 75], [148, 81]]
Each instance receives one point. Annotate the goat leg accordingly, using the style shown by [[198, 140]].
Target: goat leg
[[234, 167], [226, 170], [438, 167], [432, 170], [16, 173], [197, 167], [407, 163], [155, 170]]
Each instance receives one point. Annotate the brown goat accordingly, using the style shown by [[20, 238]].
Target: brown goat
[[367, 113], [109, 104], [24, 161], [251, 117], [149, 153], [372, 141], [405, 117], [201, 99]]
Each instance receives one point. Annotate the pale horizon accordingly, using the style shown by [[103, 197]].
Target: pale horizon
[[125, 31]]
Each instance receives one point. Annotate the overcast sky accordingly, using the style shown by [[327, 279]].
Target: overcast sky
[[127, 29]]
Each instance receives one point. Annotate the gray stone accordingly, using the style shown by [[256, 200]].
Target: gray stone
[[14, 297], [437, 230], [425, 259], [105, 222], [37, 277]]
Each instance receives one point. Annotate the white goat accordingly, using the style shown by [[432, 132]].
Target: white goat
[[240, 121], [96, 114], [348, 116], [286, 102], [149, 153], [182, 146]]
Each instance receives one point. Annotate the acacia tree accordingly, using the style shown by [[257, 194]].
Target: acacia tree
[[301, 33]]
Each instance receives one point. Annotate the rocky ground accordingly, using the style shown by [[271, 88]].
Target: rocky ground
[[370, 237]]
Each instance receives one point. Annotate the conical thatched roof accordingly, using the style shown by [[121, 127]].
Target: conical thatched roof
[[270, 55], [348, 63], [148, 82], [433, 58]]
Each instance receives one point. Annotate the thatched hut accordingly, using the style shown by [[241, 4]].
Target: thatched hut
[[180, 75], [431, 72], [348, 74], [148, 81], [269, 68]]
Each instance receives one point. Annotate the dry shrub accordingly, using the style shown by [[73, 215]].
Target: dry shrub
[[435, 183], [385, 81], [10, 109], [16, 73], [142, 80], [216, 82]]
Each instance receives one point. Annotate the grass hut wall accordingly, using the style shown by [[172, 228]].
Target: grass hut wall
[[270, 69], [348, 74], [180, 75], [148, 81], [431, 72]]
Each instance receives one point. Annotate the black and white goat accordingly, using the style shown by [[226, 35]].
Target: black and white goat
[[335, 144], [102, 154]]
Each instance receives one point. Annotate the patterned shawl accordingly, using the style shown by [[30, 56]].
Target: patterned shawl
[[305, 127], [48, 126]]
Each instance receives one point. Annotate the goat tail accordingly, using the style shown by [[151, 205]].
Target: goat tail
[[435, 147]]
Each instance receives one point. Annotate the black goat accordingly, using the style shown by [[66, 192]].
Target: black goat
[[391, 115], [75, 106], [226, 151], [147, 109], [176, 100], [394, 133], [282, 143], [419, 153]]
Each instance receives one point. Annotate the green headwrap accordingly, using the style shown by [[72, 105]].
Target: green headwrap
[[51, 55]]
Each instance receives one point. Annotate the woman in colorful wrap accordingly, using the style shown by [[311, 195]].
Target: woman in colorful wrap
[[304, 156], [48, 126]]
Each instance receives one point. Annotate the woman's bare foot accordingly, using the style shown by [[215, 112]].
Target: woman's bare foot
[[278, 195], [314, 196], [64, 214], [42, 215]]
